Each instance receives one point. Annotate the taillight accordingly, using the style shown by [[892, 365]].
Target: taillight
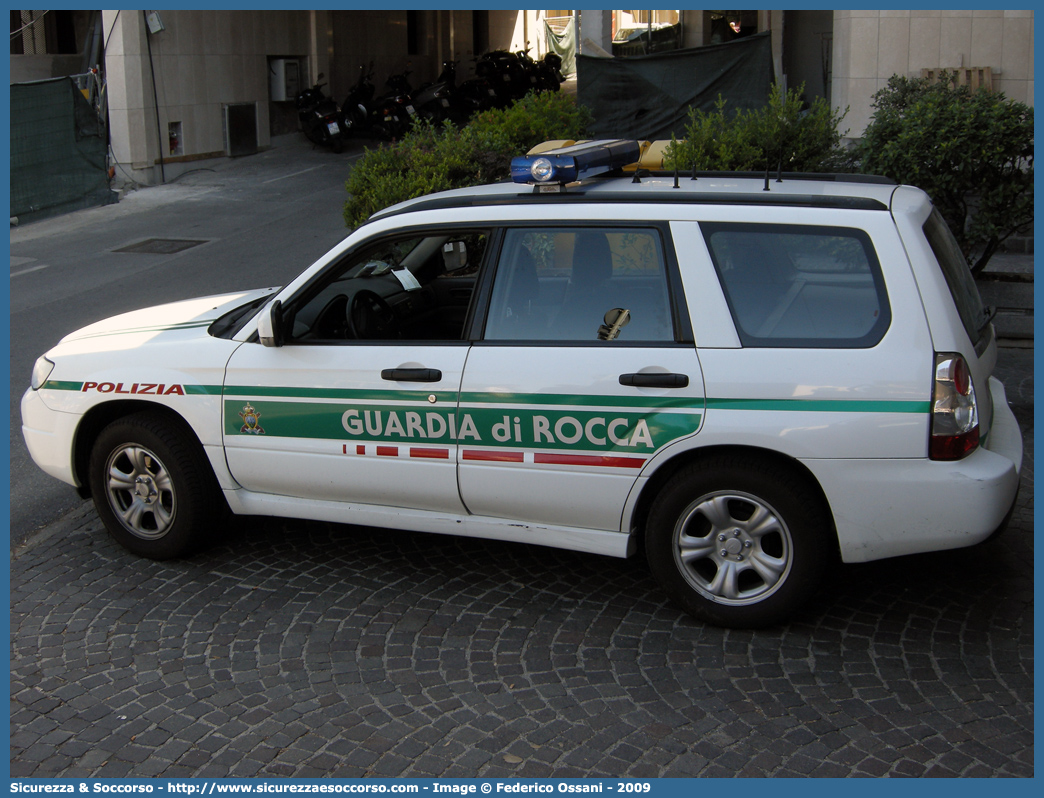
[[955, 416]]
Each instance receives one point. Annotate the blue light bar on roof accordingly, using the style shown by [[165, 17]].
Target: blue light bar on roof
[[569, 164]]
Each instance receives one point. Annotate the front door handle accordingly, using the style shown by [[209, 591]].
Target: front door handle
[[411, 375], [655, 380]]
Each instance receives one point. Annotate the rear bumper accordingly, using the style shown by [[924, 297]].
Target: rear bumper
[[887, 508]]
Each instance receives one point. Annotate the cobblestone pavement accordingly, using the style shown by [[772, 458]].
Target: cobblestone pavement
[[304, 649]]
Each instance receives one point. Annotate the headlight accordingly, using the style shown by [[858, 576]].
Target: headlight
[[41, 371]]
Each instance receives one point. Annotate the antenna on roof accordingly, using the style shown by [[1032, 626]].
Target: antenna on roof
[[676, 177], [694, 170]]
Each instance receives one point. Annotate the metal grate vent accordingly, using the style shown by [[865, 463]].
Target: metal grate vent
[[160, 246]]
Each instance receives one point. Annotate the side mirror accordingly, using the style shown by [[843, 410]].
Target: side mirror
[[454, 256], [270, 325]]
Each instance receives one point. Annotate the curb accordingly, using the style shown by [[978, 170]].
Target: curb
[[72, 521]]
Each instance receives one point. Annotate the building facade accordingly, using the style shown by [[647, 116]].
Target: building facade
[[183, 86]]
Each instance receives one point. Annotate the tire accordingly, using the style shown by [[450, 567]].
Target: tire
[[153, 487], [738, 542]]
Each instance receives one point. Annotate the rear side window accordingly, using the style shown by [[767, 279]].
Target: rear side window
[[800, 286], [958, 276]]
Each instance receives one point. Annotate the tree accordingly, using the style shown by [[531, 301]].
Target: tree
[[971, 151]]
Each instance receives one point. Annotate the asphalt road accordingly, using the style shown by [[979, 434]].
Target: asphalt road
[[263, 218]]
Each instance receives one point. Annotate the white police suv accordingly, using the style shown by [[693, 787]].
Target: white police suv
[[750, 379]]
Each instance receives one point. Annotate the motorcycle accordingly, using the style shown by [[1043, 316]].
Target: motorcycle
[[505, 75], [476, 94], [550, 68], [393, 113], [531, 78], [357, 108], [545, 74], [320, 117], [435, 101]]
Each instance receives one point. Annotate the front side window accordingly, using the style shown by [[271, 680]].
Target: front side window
[[414, 288], [800, 286], [580, 285]]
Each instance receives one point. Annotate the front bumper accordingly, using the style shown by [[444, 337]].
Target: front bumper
[[49, 436]]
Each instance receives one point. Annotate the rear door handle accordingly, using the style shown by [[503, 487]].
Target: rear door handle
[[655, 380], [411, 375]]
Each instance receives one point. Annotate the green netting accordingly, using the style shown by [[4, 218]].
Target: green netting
[[57, 150], [649, 97]]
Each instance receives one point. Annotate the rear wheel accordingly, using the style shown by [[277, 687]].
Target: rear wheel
[[738, 542], [153, 487]]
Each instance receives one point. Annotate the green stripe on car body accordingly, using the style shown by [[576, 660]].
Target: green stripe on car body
[[493, 399], [822, 405], [61, 385]]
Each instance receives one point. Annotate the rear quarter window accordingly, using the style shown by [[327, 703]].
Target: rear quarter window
[[958, 276], [800, 286]]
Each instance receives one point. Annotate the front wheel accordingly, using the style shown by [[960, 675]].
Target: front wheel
[[153, 487], [738, 542]]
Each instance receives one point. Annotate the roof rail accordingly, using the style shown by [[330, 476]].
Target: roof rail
[[832, 177]]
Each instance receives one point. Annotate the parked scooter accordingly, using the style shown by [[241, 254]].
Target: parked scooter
[[514, 75], [476, 94], [550, 69], [393, 113], [320, 117], [357, 109], [545, 74], [504, 73], [530, 76], [435, 101]]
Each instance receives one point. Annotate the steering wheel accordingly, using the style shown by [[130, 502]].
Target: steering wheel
[[332, 321], [371, 318]]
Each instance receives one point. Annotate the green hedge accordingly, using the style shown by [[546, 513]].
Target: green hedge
[[430, 159], [971, 151], [782, 133]]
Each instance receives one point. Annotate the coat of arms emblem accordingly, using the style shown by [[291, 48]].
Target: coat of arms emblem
[[250, 421]]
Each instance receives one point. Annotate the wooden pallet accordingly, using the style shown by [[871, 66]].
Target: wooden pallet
[[974, 77]]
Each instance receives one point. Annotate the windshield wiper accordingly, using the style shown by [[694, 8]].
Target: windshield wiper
[[226, 326]]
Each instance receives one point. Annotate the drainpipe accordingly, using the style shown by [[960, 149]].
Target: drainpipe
[[155, 98]]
